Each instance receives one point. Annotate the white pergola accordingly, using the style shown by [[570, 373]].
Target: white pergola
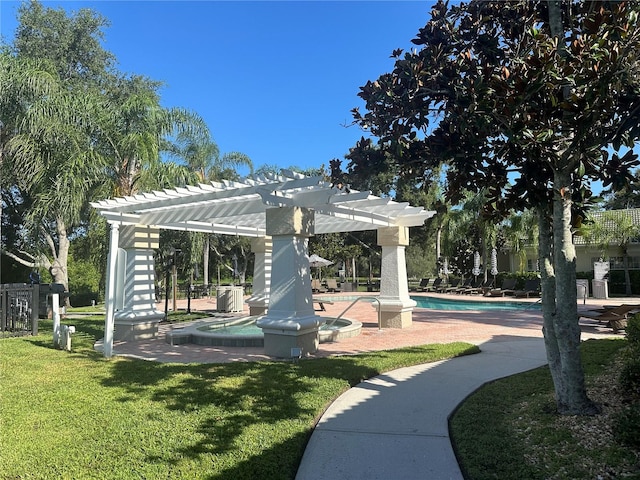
[[287, 208], [238, 207]]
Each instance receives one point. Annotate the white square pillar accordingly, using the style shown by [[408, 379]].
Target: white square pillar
[[291, 321], [138, 318], [396, 307]]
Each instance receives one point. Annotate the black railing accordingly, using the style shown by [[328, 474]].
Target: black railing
[[19, 309]]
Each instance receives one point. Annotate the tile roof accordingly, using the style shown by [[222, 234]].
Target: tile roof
[[610, 221]]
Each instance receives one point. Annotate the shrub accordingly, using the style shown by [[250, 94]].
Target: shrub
[[626, 426], [633, 332], [630, 372], [617, 284], [630, 376]]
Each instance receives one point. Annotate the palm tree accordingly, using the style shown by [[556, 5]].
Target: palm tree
[[202, 156], [52, 164], [132, 130], [92, 133], [19, 80], [467, 231], [520, 231]]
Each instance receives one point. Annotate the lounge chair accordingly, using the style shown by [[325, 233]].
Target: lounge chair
[[484, 287], [452, 284], [424, 283], [434, 286], [614, 317], [507, 288], [531, 289], [332, 285], [468, 283], [316, 286], [473, 288]]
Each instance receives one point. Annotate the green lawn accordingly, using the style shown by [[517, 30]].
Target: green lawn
[[77, 415], [509, 428]]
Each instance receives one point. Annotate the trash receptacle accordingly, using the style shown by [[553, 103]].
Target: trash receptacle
[[230, 299], [221, 299], [235, 299], [600, 288]]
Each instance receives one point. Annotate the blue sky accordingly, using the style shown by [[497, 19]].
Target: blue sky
[[274, 80]]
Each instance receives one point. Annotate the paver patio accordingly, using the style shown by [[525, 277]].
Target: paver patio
[[429, 326]]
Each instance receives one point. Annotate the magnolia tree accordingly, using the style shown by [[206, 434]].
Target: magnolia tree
[[529, 101]]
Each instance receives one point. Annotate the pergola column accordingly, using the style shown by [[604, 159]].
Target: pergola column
[[259, 300], [138, 318], [110, 294], [291, 321], [396, 306]]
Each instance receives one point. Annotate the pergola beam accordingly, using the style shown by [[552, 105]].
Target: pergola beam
[[239, 207]]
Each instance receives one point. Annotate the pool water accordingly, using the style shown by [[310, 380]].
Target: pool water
[[446, 304], [249, 327], [242, 326]]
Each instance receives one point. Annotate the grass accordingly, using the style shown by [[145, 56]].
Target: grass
[[508, 429], [77, 415]]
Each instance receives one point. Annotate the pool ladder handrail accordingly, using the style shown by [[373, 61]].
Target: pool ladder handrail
[[366, 297]]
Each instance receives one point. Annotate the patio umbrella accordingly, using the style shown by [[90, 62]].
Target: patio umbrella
[[445, 267], [317, 261], [476, 264], [494, 263]]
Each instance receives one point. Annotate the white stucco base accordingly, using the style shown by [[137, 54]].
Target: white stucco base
[[396, 313], [280, 336], [137, 325], [277, 345], [402, 319], [257, 310], [258, 304]]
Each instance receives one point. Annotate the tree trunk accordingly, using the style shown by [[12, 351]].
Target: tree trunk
[[548, 284], [58, 269], [561, 328]]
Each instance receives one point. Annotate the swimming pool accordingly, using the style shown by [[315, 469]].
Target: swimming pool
[[446, 304], [442, 303]]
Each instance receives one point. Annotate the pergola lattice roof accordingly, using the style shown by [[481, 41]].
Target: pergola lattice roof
[[238, 207]]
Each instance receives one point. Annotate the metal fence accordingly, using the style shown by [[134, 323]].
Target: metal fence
[[19, 304]]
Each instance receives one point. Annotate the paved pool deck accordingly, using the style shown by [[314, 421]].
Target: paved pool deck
[[429, 326]]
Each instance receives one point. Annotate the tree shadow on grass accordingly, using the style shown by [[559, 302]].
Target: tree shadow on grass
[[276, 462], [259, 413], [235, 398]]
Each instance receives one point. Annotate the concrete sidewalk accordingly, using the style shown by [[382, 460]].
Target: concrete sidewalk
[[396, 425]]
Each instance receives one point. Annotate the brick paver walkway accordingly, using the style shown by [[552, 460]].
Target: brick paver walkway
[[429, 326]]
